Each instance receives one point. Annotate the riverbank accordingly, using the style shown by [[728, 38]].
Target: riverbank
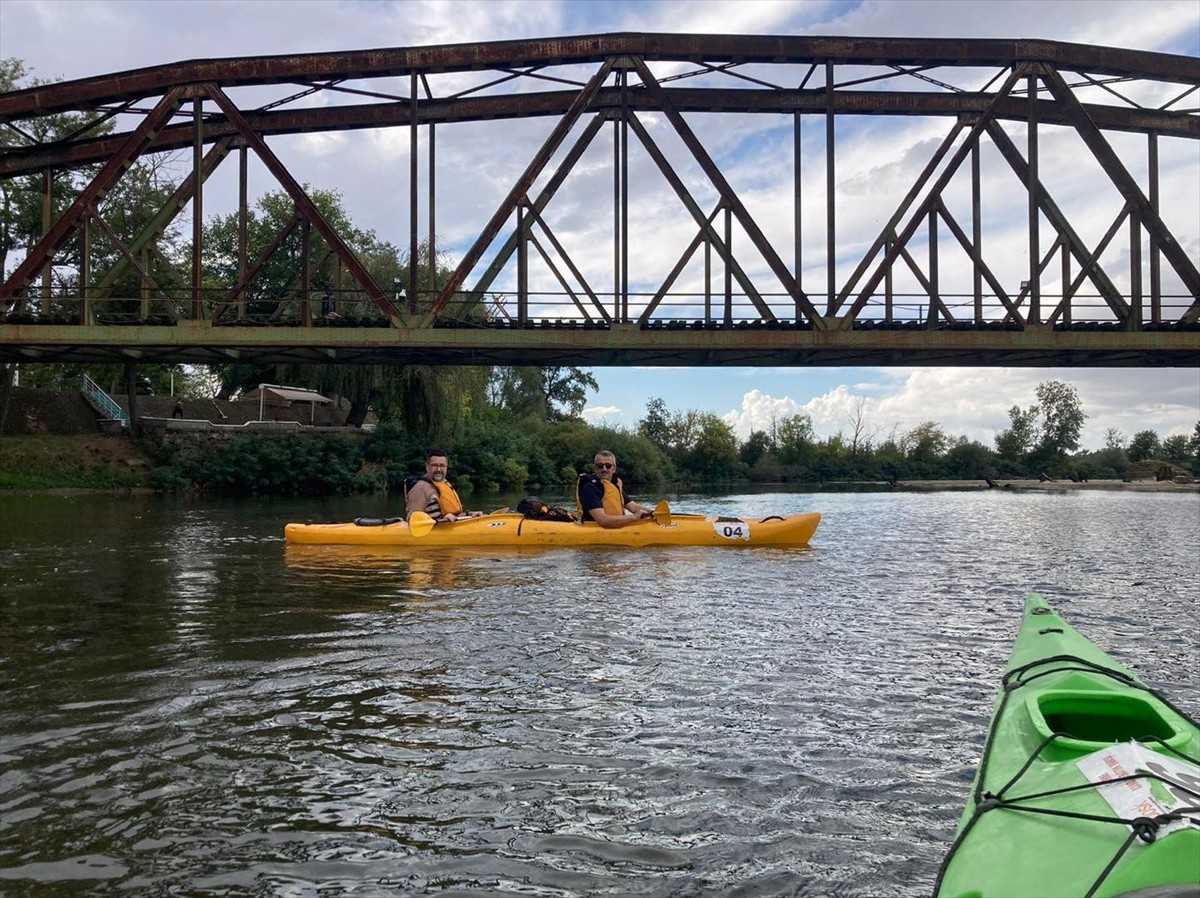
[[53, 465], [75, 464]]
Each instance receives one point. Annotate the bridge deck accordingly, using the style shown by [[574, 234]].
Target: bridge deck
[[667, 343]]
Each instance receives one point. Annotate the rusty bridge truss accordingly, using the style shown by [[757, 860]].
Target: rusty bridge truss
[[659, 140]]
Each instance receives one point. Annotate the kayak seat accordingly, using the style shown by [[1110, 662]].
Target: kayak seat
[[1086, 721], [376, 522]]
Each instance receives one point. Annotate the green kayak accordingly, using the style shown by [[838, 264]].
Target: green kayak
[[1089, 784]]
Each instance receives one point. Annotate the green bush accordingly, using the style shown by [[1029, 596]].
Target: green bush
[[169, 479], [263, 464]]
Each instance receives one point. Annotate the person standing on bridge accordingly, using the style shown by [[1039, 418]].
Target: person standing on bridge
[[433, 494], [601, 496]]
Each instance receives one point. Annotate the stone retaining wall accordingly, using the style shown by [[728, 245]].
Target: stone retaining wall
[[188, 439]]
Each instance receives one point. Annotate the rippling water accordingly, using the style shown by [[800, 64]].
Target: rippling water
[[188, 706]]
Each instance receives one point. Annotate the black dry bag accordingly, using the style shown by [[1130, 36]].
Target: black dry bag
[[537, 510]]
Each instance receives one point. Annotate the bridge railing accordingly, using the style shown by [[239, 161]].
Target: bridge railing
[[352, 308]]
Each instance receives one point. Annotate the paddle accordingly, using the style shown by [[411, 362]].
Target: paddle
[[420, 524], [662, 513]]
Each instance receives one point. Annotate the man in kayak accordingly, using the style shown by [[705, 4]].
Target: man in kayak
[[601, 496], [433, 493]]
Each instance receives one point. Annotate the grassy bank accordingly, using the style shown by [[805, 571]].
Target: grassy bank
[[88, 461]]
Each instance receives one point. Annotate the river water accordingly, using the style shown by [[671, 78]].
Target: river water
[[190, 707]]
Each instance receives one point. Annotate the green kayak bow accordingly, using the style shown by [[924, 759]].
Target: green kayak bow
[[1089, 784]]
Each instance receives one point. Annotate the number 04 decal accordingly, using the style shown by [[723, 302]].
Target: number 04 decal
[[732, 529]]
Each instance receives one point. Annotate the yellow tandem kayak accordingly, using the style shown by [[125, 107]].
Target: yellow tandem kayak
[[517, 530]]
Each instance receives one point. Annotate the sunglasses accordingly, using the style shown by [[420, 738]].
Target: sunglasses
[[605, 465]]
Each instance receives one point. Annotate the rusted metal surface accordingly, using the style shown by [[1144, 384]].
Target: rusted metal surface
[[768, 49], [304, 206], [861, 320], [99, 186], [435, 111], [615, 345], [1103, 152], [520, 189]]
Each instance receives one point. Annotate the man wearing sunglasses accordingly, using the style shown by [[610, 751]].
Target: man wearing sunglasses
[[602, 499]]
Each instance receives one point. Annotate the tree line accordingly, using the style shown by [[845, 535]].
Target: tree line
[[543, 447]]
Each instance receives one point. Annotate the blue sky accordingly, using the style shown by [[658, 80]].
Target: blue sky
[[78, 38]]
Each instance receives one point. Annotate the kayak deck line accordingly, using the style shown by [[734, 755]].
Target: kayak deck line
[[1055, 713]]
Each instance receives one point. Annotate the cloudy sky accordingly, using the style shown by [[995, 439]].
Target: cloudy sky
[[79, 38]]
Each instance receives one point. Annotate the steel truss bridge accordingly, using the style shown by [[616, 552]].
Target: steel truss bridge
[[697, 267]]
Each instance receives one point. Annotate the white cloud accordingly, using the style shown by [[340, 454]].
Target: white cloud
[[974, 402], [598, 414], [760, 412], [322, 144]]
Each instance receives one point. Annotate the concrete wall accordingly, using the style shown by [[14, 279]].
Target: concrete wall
[[38, 412]]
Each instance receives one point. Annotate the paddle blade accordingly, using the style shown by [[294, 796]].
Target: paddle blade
[[662, 513], [503, 510], [420, 524]]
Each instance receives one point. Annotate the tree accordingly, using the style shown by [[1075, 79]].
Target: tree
[[1015, 443], [275, 290], [795, 439], [925, 443], [547, 394], [1112, 459], [1062, 419], [829, 459], [1176, 449], [21, 197], [1144, 445], [429, 402], [713, 455], [164, 380], [127, 208], [861, 434], [656, 425], [757, 445], [969, 460]]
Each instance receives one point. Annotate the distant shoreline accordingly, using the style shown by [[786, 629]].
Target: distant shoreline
[[1012, 485], [1049, 486]]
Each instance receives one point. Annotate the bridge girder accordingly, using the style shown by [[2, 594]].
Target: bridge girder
[[1143, 311]]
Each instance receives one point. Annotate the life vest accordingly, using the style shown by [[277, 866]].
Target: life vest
[[448, 498], [446, 502], [614, 495]]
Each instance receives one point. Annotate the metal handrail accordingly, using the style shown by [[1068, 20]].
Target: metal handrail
[[102, 402]]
